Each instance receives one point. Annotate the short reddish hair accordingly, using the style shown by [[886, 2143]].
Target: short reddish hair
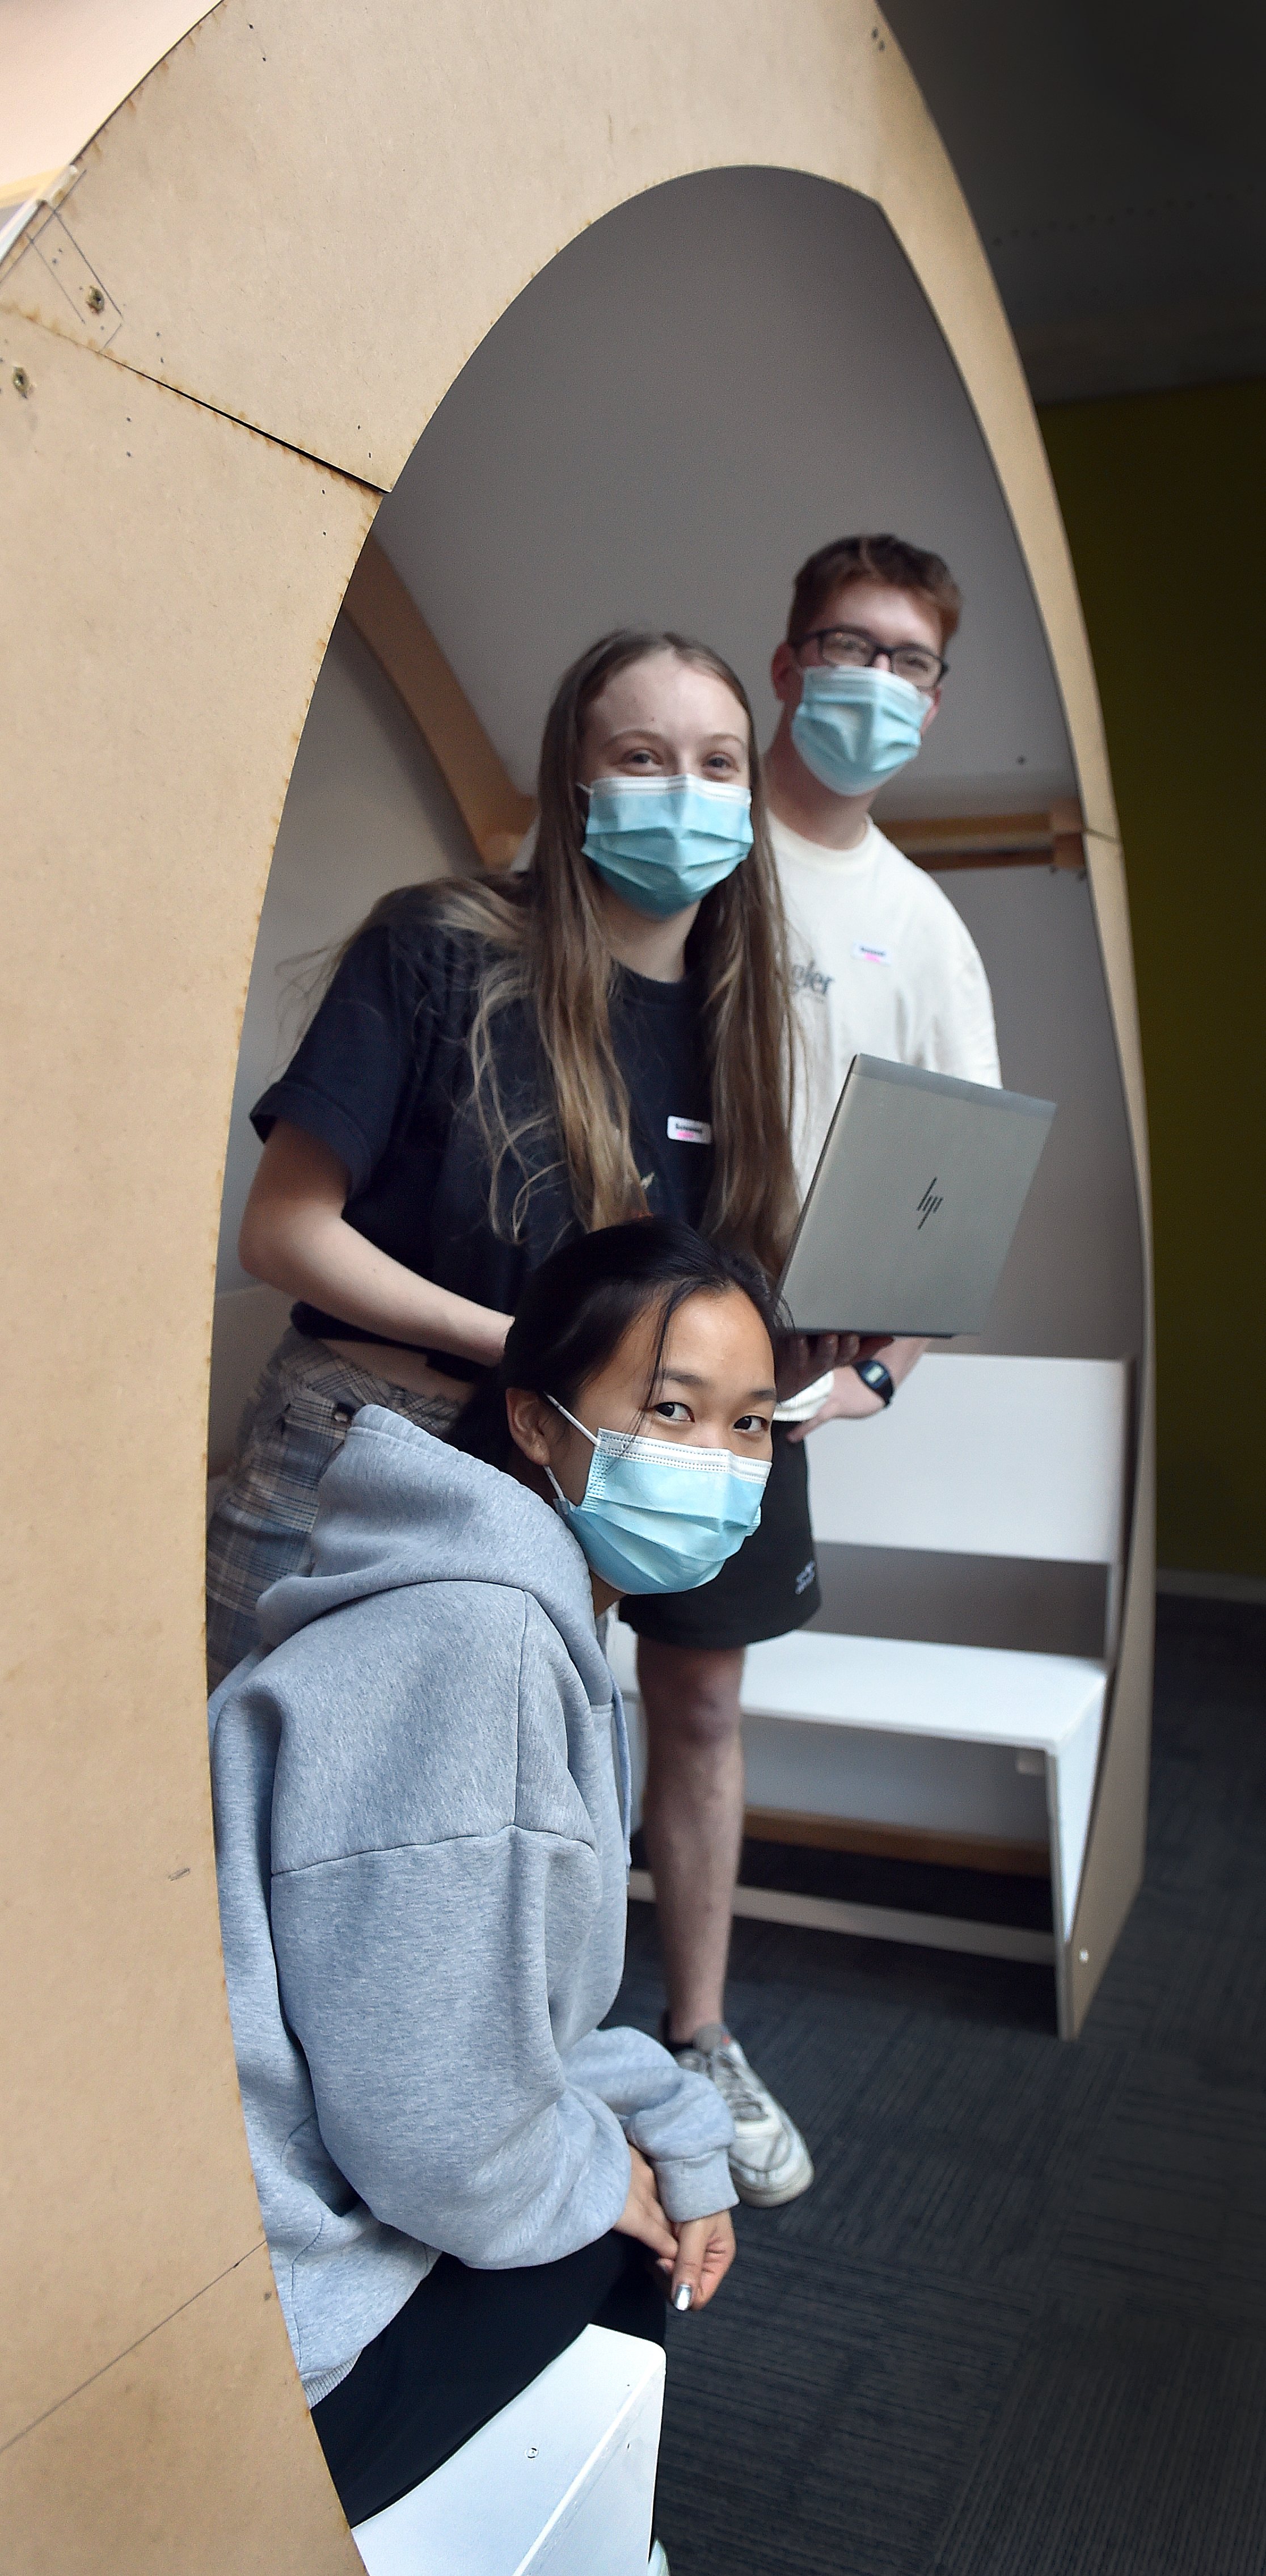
[[888, 559]]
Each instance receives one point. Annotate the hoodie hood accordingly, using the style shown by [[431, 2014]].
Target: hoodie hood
[[400, 1507]]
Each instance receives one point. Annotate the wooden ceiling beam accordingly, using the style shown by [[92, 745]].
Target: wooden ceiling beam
[[385, 615], [1050, 839]]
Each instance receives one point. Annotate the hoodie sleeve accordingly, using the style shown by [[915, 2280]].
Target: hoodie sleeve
[[415, 1982], [426, 1964], [677, 2119]]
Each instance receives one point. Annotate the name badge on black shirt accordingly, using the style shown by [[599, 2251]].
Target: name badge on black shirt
[[383, 1078]]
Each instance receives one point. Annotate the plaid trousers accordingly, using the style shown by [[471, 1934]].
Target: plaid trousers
[[294, 1424]]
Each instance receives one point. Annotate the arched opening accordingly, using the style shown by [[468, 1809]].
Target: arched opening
[[704, 385]]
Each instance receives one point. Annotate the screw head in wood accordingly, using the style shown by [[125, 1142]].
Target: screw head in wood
[[95, 300]]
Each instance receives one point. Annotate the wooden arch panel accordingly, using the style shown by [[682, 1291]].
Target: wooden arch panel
[[300, 226]]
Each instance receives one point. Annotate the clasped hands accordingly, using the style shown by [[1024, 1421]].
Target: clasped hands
[[694, 2254]]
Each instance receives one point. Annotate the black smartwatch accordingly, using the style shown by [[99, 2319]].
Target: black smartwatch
[[874, 1375]]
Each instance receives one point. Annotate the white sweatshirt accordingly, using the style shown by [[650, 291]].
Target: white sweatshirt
[[882, 966]]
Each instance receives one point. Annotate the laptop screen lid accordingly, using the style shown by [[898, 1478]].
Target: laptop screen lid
[[911, 1211]]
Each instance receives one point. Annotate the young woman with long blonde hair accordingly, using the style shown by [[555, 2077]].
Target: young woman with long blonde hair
[[498, 1063]]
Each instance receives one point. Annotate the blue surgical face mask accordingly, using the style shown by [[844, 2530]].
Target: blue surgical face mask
[[660, 1515], [853, 729], [664, 842]]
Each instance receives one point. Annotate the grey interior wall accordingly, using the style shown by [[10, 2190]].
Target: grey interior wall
[[697, 392], [1073, 1286], [366, 810]]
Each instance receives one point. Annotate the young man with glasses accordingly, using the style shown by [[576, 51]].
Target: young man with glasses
[[883, 966], [883, 963]]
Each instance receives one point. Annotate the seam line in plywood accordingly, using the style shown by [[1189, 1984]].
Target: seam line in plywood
[[235, 420], [216, 411], [115, 2358]]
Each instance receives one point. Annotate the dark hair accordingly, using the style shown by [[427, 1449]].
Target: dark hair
[[890, 559], [576, 1308]]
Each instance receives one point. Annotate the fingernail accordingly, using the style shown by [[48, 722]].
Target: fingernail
[[682, 2297]]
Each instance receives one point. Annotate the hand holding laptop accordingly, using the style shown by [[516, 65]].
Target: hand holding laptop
[[802, 1358]]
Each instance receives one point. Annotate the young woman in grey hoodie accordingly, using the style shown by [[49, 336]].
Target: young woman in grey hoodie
[[421, 1788]]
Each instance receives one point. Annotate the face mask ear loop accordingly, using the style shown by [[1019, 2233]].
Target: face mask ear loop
[[564, 1500], [570, 1417]]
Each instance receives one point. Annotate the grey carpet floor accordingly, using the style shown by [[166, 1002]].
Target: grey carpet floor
[[1018, 2327]]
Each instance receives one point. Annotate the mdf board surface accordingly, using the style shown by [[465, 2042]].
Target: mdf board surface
[[170, 580], [190, 2451], [304, 220], [1113, 1867]]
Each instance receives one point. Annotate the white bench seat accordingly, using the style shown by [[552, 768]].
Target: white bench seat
[[560, 2483], [1050, 1705], [984, 1694]]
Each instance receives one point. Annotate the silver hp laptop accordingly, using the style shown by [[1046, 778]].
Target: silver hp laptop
[[912, 1208]]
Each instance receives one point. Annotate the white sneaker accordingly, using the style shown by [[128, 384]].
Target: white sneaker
[[769, 2161]]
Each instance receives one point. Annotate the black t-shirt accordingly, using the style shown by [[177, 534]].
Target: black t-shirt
[[383, 1077]]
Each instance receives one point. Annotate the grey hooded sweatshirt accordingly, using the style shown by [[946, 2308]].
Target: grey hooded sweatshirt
[[421, 1810]]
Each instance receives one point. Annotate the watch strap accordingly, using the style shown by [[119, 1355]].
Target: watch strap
[[874, 1375]]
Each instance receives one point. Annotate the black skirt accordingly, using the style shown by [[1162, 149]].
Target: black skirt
[[460, 2349]]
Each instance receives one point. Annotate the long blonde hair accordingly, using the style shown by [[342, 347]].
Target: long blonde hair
[[547, 945]]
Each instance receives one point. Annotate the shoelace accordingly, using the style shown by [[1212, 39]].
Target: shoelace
[[732, 2085]]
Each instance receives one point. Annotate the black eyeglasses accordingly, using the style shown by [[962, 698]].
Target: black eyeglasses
[[850, 648]]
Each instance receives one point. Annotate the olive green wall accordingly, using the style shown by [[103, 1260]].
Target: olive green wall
[[1162, 496]]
